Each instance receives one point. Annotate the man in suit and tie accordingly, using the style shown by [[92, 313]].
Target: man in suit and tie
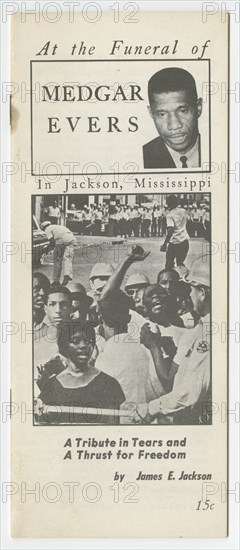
[[175, 109]]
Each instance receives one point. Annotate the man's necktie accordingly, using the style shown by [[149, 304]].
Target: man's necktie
[[183, 160]]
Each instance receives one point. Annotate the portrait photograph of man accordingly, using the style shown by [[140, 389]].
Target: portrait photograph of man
[[175, 108]]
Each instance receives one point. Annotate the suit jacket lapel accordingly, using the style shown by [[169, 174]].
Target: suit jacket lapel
[[165, 159]]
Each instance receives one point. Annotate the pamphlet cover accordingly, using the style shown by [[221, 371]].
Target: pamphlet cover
[[119, 124]]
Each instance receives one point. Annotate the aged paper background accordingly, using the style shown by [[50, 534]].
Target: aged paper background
[[164, 508]]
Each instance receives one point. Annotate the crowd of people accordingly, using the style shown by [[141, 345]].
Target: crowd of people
[[128, 349], [139, 220]]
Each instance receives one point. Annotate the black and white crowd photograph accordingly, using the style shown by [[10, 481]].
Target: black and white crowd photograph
[[121, 309]]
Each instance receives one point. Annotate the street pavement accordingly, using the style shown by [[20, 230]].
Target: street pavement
[[104, 249]]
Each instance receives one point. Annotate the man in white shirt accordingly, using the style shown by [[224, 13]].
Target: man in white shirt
[[187, 378], [41, 285], [54, 213], [123, 359], [98, 220], [64, 244], [191, 160], [138, 283], [57, 312], [176, 244]]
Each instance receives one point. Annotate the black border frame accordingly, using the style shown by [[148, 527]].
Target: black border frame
[[32, 267]]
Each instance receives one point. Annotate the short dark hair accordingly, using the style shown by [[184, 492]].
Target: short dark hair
[[170, 270], [115, 309], [42, 278], [57, 288], [172, 201], [172, 79], [73, 327], [44, 282]]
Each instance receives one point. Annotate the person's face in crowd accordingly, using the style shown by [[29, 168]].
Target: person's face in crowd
[[39, 293], [176, 119], [79, 304], [155, 301], [58, 308], [198, 297], [136, 293], [184, 299], [169, 281], [139, 301], [98, 283], [79, 351]]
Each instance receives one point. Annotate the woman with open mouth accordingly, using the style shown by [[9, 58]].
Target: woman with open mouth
[[80, 384]]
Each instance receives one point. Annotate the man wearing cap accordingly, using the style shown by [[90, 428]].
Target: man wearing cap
[[134, 283], [146, 222], [175, 109], [186, 379], [64, 244], [81, 302], [123, 359], [134, 287], [136, 220], [206, 224], [99, 275]]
